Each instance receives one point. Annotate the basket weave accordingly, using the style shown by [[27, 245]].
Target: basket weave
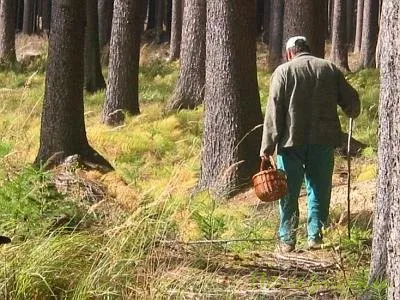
[[270, 184]]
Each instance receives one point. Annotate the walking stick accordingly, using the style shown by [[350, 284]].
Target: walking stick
[[348, 176]]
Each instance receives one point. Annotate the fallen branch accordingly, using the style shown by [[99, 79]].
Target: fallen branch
[[213, 241]]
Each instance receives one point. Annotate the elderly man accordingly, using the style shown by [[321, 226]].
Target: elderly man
[[301, 121]]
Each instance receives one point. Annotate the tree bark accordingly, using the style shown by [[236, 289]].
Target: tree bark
[[230, 144], [159, 20], [176, 30], [123, 91], [189, 91], [94, 79], [7, 32], [386, 234], [151, 15], [359, 25], [266, 21], [105, 12], [63, 127], [369, 34], [339, 42], [350, 23], [306, 18], [275, 56], [28, 17]]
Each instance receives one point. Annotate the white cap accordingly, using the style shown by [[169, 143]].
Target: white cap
[[291, 42]]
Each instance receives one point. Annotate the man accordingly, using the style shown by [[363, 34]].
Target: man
[[301, 121]]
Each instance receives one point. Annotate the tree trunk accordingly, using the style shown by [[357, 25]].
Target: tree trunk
[[46, 16], [7, 32], [230, 144], [19, 15], [94, 79], [189, 91], [369, 34], [275, 35], [159, 21], [339, 43], [259, 16], [306, 18], [386, 234], [266, 21], [105, 11], [28, 21], [123, 92], [63, 126], [320, 24], [350, 23], [168, 19], [359, 25], [176, 30], [151, 15]]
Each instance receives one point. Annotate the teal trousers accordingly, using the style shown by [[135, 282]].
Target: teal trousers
[[312, 164]]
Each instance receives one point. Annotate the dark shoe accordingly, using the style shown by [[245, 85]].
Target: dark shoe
[[315, 244], [4, 240], [283, 247]]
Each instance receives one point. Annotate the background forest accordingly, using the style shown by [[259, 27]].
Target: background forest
[[130, 130]]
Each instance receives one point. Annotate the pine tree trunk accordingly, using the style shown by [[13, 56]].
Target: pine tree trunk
[[105, 12], [63, 126], [266, 20], [151, 15], [339, 43], [230, 147], [189, 91], [307, 18], [28, 16], [176, 30], [386, 235], [46, 16], [275, 35], [159, 20], [350, 23], [369, 33], [7, 32], [123, 91], [94, 79], [359, 25]]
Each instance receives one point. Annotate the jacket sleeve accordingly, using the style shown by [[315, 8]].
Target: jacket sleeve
[[274, 120], [348, 100]]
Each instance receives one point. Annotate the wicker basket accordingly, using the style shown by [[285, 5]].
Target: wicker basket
[[270, 184]]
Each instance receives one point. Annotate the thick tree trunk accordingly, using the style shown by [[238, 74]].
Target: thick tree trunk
[[386, 235], [307, 18], [189, 91], [275, 56], [266, 21], [105, 11], [7, 32], [94, 79], [369, 33], [359, 25], [27, 27], [123, 91], [230, 146], [176, 30], [339, 42], [63, 127]]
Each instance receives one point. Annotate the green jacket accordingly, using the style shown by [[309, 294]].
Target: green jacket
[[302, 104]]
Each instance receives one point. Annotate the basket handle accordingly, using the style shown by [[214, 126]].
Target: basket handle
[[267, 163]]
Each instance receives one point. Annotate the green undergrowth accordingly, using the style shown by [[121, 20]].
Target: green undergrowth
[[141, 255]]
